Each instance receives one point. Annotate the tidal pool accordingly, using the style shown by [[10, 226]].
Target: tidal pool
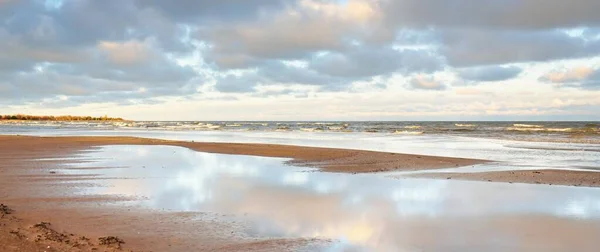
[[369, 212]]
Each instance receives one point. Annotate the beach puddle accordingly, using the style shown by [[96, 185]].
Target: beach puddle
[[369, 212]]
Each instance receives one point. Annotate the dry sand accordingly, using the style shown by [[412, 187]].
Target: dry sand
[[41, 214]]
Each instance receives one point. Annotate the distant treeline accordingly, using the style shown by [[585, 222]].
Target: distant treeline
[[57, 118]]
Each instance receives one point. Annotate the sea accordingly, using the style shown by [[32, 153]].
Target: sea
[[563, 131]]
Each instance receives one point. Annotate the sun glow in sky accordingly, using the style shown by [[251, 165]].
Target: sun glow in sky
[[302, 59]]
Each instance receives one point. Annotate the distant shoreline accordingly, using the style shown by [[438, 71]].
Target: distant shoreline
[[62, 118]]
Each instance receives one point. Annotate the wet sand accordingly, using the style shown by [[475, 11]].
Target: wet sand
[[549, 177], [33, 194], [40, 213], [327, 159]]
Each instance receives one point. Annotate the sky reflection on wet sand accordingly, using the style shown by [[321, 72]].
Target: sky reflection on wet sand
[[366, 211]]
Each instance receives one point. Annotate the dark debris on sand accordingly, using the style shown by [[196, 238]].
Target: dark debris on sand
[[5, 210], [111, 241], [43, 233], [48, 234]]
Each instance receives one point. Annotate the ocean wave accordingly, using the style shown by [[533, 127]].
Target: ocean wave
[[405, 132], [311, 129], [233, 125], [559, 129], [518, 125], [540, 129], [525, 129], [412, 127], [213, 127], [465, 125]]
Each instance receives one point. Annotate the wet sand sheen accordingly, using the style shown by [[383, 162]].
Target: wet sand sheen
[[37, 194], [21, 186], [327, 159]]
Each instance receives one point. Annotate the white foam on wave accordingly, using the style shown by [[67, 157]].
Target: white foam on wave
[[336, 128], [527, 125], [465, 125], [311, 129], [405, 132], [559, 129], [525, 129], [539, 129]]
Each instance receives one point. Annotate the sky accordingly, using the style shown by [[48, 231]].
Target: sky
[[302, 59]]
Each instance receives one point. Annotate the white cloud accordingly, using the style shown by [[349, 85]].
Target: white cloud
[[427, 83], [568, 75]]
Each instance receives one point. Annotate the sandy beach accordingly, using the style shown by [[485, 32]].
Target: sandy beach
[[29, 187], [41, 211]]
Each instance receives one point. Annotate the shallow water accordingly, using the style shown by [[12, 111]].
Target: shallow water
[[360, 212], [511, 155]]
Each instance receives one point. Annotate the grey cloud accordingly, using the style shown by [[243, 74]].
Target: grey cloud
[[278, 72], [194, 10], [76, 23], [493, 14], [303, 29], [239, 46], [489, 73], [593, 81], [155, 72], [489, 47], [37, 85], [84, 23], [275, 72], [336, 70], [361, 62], [51, 52]]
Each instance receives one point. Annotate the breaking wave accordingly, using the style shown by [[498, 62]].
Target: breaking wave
[[465, 125], [518, 125]]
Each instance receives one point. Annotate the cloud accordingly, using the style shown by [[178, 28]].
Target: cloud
[[464, 48], [489, 73], [275, 73], [125, 53], [426, 83], [363, 61], [335, 71], [305, 28], [200, 10], [237, 83], [593, 81], [89, 52], [568, 75], [582, 77], [492, 14]]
